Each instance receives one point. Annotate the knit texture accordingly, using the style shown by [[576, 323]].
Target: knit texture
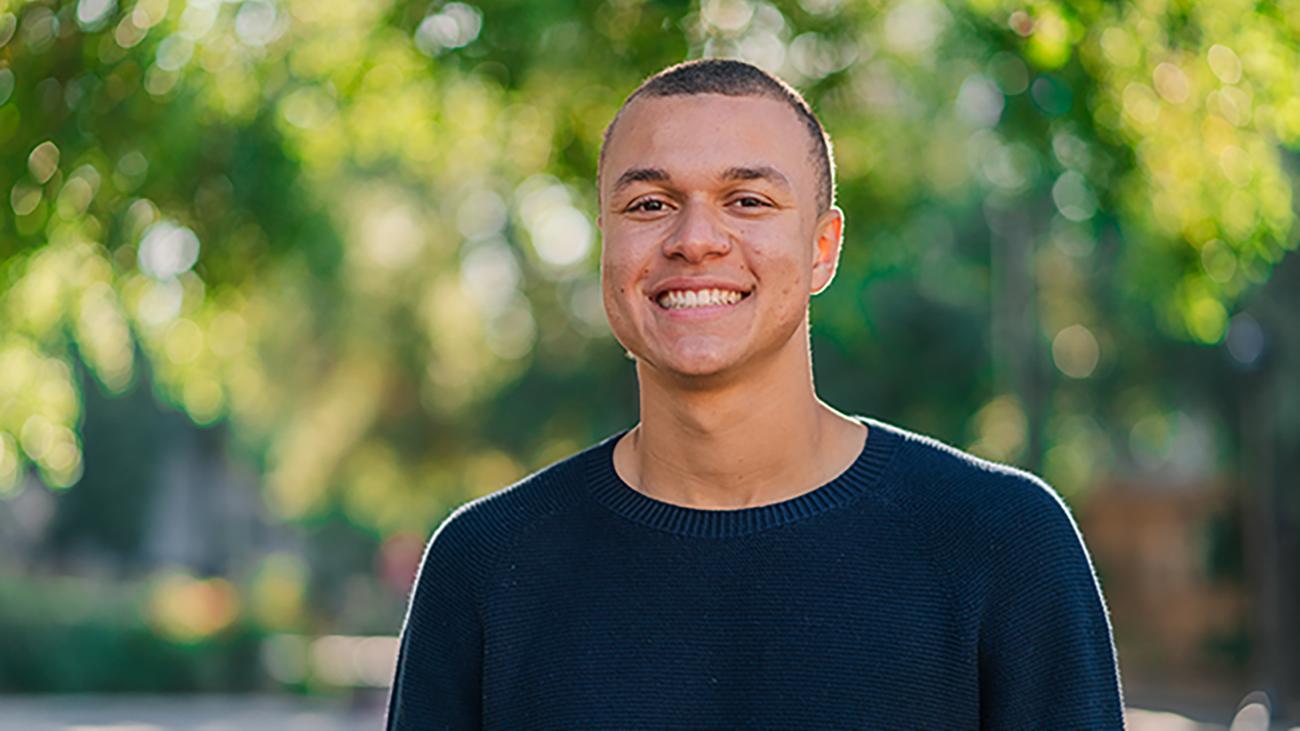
[[922, 588]]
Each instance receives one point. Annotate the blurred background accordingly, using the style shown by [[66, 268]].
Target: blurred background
[[282, 282]]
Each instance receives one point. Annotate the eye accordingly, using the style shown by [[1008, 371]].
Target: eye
[[647, 205], [749, 201]]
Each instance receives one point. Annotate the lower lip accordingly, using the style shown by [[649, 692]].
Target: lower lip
[[699, 313]]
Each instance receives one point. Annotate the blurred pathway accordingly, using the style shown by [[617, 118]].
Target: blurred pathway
[[184, 713]]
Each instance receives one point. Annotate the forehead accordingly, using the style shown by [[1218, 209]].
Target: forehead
[[709, 132]]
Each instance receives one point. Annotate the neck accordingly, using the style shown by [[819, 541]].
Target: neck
[[740, 442]]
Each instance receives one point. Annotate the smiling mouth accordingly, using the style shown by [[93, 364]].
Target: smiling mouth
[[699, 299]]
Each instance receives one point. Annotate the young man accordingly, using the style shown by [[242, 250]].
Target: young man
[[746, 556]]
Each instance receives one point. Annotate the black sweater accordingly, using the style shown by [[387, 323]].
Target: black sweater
[[920, 589]]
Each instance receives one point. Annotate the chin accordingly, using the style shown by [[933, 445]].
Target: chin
[[706, 369]]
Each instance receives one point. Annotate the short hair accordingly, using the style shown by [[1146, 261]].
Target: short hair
[[737, 78]]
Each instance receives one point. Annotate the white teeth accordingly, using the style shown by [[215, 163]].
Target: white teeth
[[678, 299]]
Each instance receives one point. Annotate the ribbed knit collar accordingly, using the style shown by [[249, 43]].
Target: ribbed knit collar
[[610, 489]]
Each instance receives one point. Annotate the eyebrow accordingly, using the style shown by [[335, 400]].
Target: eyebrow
[[760, 172], [640, 175], [659, 175]]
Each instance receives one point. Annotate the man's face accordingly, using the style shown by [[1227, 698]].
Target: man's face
[[712, 192]]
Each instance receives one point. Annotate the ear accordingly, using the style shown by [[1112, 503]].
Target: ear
[[830, 236]]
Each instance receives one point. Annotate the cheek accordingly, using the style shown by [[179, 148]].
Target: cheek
[[624, 265], [617, 251], [783, 272], [615, 278], [617, 284], [779, 264]]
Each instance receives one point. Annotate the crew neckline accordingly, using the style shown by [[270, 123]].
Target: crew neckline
[[610, 490]]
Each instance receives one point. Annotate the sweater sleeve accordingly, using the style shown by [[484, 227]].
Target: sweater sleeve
[[437, 684], [1047, 659]]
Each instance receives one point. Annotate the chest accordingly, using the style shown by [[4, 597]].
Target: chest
[[775, 632]]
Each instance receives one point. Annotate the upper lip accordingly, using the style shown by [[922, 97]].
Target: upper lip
[[696, 283]]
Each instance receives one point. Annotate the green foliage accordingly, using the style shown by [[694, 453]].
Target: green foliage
[[74, 636], [363, 231]]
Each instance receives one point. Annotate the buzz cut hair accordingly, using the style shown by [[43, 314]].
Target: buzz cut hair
[[730, 77]]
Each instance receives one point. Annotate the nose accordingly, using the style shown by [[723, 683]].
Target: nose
[[698, 234]]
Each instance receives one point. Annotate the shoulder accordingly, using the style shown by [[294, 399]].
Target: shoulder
[[477, 531], [961, 496], [995, 529]]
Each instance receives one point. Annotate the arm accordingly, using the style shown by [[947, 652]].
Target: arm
[[1047, 659], [439, 662]]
